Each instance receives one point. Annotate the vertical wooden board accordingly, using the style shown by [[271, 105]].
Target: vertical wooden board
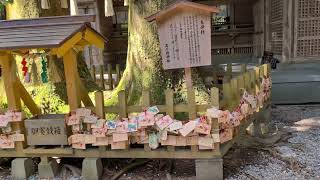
[[110, 80], [235, 97], [257, 77], [243, 68], [215, 125], [229, 71], [227, 94], [215, 75], [118, 73], [98, 96], [71, 70], [122, 104], [192, 109], [169, 109], [185, 39], [101, 76], [247, 80], [253, 81], [215, 97], [146, 104]]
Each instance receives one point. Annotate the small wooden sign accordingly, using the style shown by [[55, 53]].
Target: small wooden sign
[[46, 130], [184, 30]]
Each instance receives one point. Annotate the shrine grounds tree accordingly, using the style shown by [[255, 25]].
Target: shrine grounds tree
[[144, 68]]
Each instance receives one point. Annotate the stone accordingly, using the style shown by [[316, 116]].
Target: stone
[[22, 168], [92, 169], [48, 168], [209, 169]]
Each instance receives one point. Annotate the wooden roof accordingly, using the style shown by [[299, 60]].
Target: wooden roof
[[180, 5], [46, 33]]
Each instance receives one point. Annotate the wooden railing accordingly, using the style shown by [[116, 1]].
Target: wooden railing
[[99, 76]]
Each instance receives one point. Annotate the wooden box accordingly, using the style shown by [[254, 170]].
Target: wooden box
[[47, 129]]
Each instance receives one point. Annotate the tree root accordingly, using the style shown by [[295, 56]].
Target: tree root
[[128, 168]]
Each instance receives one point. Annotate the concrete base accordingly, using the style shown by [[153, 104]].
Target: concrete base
[[22, 168], [48, 168], [209, 169], [92, 169]]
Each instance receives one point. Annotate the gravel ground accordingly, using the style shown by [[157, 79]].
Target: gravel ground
[[295, 156]]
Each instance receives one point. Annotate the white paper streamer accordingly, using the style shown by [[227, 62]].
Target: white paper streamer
[[108, 8], [45, 4], [64, 4], [74, 8], [126, 3]]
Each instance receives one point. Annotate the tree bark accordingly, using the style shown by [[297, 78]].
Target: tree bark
[[144, 67]]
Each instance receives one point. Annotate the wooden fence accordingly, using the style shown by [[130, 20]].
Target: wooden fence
[[227, 98], [106, 83]]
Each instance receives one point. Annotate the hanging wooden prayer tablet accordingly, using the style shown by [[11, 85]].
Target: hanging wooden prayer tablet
[[79, 145], [118, 137], [101, 141], [73, 120], [226, 135], [3, 120], [164, 122], [176, 125], [111, 124], [188, 128], [153, 141], [203, 128], [16, 137], [205, 141], [90, 119]]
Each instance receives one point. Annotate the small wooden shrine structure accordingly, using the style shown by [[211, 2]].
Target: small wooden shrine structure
[[64, 37]]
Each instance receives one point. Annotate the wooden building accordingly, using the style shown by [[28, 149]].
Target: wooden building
[[241, 32]]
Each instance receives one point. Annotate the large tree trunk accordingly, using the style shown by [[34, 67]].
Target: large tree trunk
[[144, 67]]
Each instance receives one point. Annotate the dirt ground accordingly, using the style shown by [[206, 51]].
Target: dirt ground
[[291, 151]]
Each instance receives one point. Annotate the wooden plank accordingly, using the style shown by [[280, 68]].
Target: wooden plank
[[229, 71], [71, 72], [27, 99], [118, 73], [235, 95], [45, 20], [93, 38], [66, 46], [99, 110], [170, 110], [110, 79], [122, 104], [145, 104], [214, 122], [227, 94], [101, 76], [10, 79]]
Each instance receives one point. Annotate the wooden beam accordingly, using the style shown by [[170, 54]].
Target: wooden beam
[[71, 74], [68, 45], [27, 99], [93, 39], [12, 92]]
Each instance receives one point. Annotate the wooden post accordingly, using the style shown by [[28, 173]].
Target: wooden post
[[215, 124], [118, 73], [100, 110], [27, 99], [170, 110], [191, 100], [229, 71], [12, 92], [215, 75], [101, 77], [145, 104], [93, 73], [71, 70], [110, 80], [123, 109]]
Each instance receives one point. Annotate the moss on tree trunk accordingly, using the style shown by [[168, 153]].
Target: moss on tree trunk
[[144, 67]]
